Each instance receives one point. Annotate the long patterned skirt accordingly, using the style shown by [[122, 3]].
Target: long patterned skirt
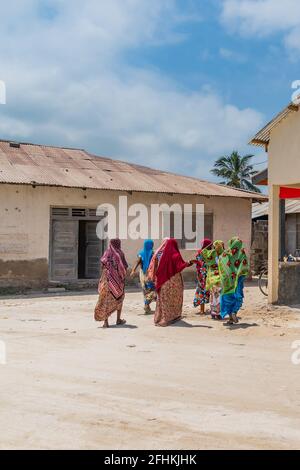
[[215, 307], [202, 295], [169, 302], [232, 303], [107, 303], [149, 291]]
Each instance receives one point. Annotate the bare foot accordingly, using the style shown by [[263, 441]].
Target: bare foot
[[162, 324], [105, 325]]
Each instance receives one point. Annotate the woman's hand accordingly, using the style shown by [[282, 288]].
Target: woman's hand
[[192, 261]]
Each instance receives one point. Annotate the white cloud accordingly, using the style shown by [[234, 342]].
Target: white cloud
[[264, 18], [69, 83], [234, 56]]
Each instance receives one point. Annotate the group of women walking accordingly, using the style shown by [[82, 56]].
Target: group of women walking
[[220, 280]]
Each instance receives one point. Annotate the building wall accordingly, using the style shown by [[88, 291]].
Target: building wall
[[289, 279], [259, 247], [25, 224], [284, 152], [284, 170], [291, 234]]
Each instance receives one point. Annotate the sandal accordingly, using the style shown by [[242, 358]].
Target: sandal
[[235, 318], [121, 322]]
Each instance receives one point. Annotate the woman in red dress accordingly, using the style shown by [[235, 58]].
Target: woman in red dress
[[165, 270]]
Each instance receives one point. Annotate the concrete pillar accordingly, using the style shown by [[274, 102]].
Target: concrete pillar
[[274, 242]]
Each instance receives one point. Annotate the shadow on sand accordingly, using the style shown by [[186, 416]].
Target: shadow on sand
[[128, 326], [184, 324], [241, 326]]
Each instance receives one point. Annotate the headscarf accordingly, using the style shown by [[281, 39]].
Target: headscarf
[[155, 260], [206, 243], [201, 265], [219, 247], [169, 260], [233, 264], [114, 261], [210, 257], [146, 254]]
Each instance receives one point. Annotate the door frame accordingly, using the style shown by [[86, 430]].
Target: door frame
[[67, 212], [102, 246]]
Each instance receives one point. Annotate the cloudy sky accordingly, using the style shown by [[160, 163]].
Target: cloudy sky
[[172, 84]]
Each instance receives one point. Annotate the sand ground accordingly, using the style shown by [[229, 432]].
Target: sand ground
[[69, 384]]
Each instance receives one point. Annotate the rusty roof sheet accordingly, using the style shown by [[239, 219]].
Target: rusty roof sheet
[[75, 168]]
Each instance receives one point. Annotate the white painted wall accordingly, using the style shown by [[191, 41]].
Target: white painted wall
[[25, 217]]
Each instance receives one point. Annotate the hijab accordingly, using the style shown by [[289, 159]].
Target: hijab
[[233, 264], [146, 254], [170, 262], [114, 261], [206, 243], [210, 257]]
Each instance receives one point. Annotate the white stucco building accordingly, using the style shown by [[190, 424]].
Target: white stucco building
[[49, 198]]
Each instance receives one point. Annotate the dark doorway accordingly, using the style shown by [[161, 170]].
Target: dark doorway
[[90, 250]]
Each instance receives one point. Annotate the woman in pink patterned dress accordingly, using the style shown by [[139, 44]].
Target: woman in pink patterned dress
[[112, 284], [165, 269]]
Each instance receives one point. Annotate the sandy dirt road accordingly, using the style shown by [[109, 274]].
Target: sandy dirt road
[[69, 384]]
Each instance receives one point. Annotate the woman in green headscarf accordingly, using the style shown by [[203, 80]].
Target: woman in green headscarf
[[213, 281], [233, 268]]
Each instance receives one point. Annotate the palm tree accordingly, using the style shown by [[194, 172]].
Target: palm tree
[[236, 171]]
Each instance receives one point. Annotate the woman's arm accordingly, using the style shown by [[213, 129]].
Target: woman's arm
[[190, 263], [137, 264]]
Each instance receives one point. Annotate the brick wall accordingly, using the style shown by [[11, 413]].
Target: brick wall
[[259, 246]]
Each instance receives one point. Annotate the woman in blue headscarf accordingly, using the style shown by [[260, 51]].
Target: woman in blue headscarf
[[148, 286]]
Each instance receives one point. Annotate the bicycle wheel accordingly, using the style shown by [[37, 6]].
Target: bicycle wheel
[[263, 282]]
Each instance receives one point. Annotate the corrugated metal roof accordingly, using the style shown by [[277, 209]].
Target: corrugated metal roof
[[75, 168], [292, 206], [262, 138], [261, 178]]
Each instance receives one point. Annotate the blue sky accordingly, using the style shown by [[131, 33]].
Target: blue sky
[[172, 84]]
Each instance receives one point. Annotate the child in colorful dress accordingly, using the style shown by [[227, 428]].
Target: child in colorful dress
[[202, 295]]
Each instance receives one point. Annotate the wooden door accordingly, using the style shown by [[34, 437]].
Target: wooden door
[[93, 251], [64, 250]]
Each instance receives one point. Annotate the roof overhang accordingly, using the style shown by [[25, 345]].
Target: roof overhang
[[262, 138], [261, 178]]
